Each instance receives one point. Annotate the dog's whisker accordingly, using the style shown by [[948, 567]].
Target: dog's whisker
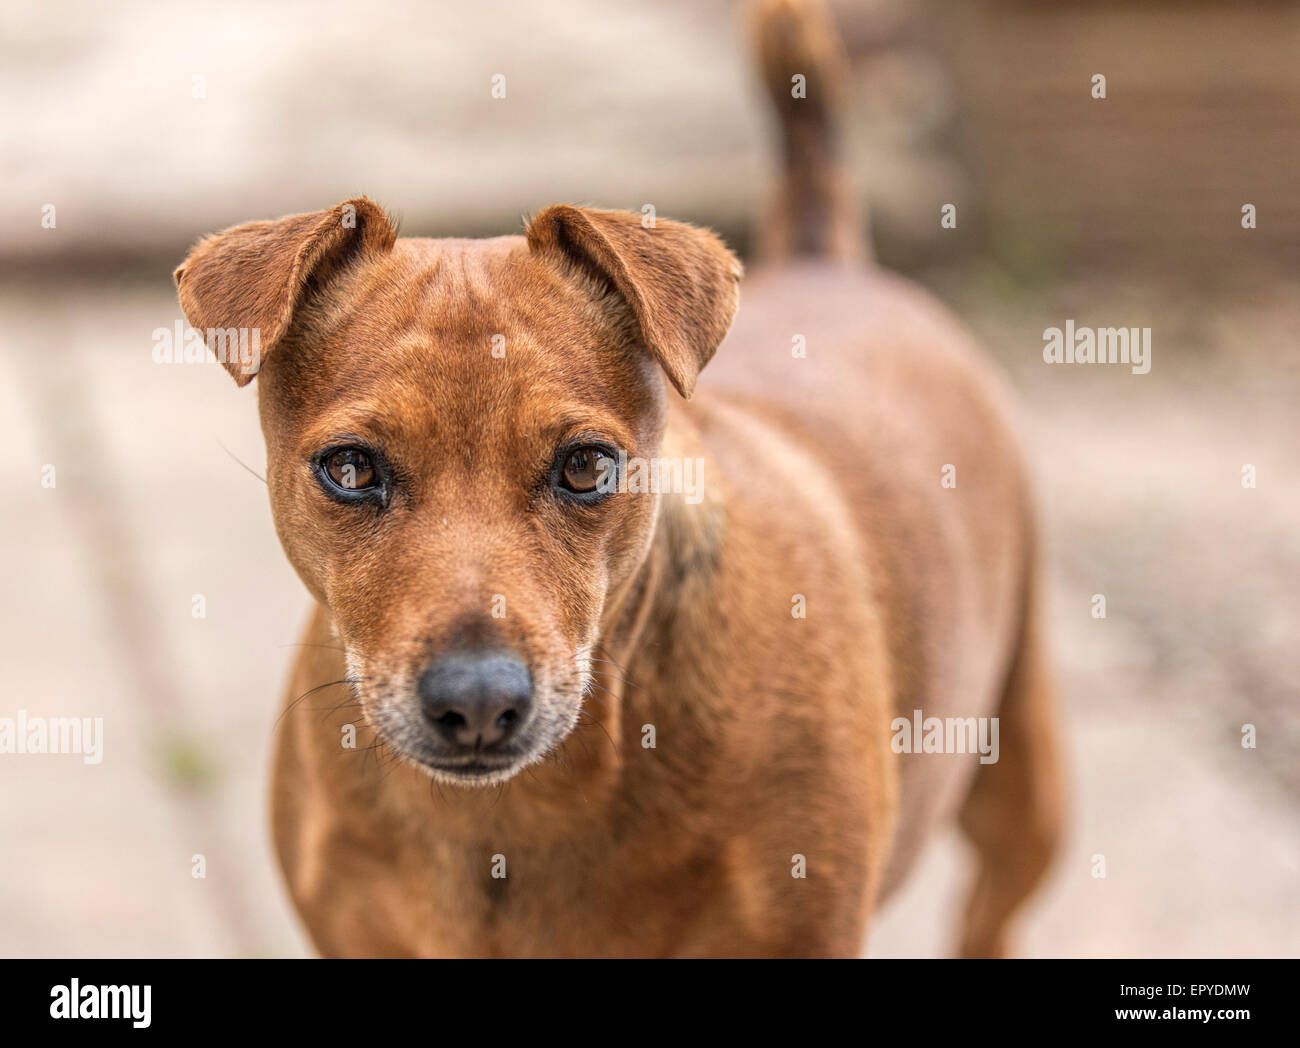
[[242, 462], [324, 711], [614, 676], [612, 662], [594, 720], [311, 691]]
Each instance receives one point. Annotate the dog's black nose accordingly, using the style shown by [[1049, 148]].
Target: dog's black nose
[[476, 701]]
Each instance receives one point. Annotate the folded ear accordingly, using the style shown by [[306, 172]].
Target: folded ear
[[256, 275], [680, 282]]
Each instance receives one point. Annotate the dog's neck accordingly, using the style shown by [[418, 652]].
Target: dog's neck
[[685, 544]]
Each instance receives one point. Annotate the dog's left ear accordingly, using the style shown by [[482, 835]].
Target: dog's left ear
[[680, 282]]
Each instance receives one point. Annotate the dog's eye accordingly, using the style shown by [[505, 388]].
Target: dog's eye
[[587, 469], [350, 474], [351, 469]]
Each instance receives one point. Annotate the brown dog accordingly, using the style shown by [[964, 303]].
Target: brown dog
[[578, 717]]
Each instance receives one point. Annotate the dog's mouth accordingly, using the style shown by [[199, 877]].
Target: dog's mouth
[[472, 771], [478, 768]]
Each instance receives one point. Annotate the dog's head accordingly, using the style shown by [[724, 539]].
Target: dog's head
[[445, 423]]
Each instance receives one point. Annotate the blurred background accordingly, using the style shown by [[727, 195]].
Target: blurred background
[[145, 125]]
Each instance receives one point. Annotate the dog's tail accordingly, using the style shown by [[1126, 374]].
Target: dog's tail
[[803, 65]]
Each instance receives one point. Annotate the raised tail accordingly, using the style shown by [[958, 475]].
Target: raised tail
[[803, 65]]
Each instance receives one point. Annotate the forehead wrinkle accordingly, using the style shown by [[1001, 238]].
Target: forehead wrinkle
[[422, 366], [488, 288], [367, 285], [454, 288]]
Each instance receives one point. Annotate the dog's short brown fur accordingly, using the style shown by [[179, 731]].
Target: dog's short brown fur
[[822, 490]]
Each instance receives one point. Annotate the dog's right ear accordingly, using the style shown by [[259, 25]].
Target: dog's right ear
[[256, 275], [680, 282]]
